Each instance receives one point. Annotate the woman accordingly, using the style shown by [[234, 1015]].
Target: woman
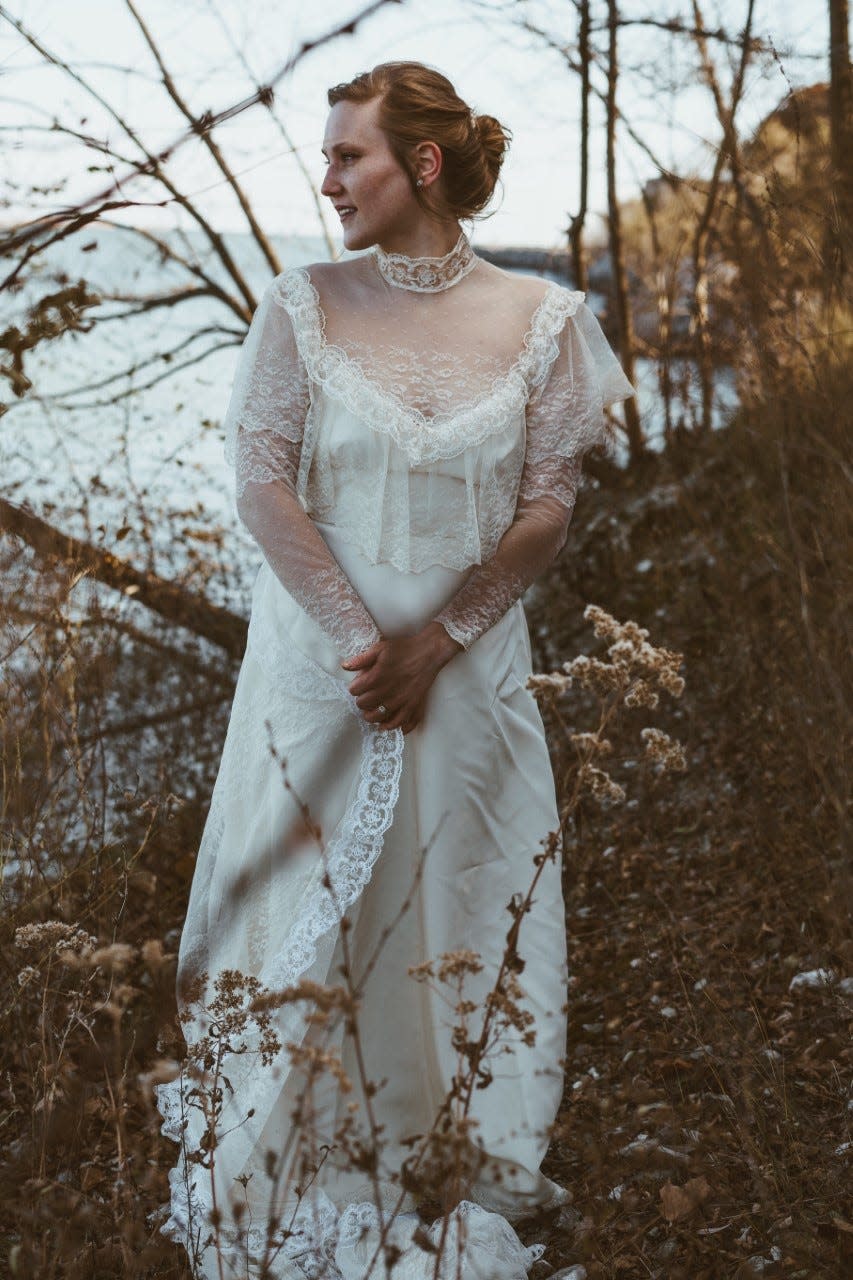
[[407, 428]]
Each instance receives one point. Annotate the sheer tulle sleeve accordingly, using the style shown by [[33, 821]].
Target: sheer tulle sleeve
[[565, 419], [264, 426]]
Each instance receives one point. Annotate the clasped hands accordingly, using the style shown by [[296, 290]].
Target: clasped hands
[[397, 673]]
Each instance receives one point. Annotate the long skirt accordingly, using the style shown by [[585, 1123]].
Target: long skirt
[[354, 1027]]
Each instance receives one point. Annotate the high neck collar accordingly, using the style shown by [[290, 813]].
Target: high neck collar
[[427, 275]]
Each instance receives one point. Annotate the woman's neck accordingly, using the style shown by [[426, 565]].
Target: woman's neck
[[427, 240]]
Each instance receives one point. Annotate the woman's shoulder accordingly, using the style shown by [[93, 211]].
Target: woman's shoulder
[[530, 291], [538, 288], [306, 288], [332, 283], [315, 273], [325, 270]]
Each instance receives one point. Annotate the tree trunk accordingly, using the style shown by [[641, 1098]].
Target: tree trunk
[[576, 227], [841, 134], [617, 251], [171, 601], [665, 288], [727, 153]]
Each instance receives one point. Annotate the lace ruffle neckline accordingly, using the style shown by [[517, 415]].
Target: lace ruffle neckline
[[427, 275], [423, 438]]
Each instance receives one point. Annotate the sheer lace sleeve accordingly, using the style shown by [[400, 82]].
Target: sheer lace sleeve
[[565, 413], [264, 425], [565, 419]]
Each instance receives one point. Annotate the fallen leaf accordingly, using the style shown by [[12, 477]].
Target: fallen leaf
[[677, 1202], [91, 1177]]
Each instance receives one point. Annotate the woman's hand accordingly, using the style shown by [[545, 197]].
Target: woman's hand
[[397, 674]]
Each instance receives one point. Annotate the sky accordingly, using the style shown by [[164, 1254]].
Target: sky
[[218, 51]]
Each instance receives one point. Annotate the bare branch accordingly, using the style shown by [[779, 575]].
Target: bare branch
[[675, 27], [168, 252], [617, 248], [59, 398], [172, 601], [282, 129], [199, 126], [152, 165], [728, 150], [576, 225], [188, 659], [674, 179], [167, 715], [115, 397]]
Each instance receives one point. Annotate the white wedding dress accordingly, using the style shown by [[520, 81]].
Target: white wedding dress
[[407, 436]]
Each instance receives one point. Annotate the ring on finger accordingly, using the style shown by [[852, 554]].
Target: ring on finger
[[383, 710]]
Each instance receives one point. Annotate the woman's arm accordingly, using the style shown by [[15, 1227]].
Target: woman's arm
[[564, 420], [303, 563], [264, 427], [533, 540]]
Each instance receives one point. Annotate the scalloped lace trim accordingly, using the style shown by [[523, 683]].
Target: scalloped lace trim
[[423, 438], [357, 842]]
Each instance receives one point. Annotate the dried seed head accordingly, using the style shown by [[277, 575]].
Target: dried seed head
[[601, 786], [548, 686], [56, 934], [641, 694], [592, 743], [666, 753]]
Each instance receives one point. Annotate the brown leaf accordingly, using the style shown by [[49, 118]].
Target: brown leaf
[[674, 1064], [678, 1202], [91, 1177]]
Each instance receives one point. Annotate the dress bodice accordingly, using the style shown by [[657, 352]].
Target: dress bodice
[[416, 452]]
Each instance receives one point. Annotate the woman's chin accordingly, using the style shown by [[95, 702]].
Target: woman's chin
[[357, 237]]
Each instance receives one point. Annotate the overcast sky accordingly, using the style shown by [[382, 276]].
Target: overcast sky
[[496, 67]]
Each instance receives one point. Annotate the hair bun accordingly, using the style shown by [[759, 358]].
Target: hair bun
[[494, 139]]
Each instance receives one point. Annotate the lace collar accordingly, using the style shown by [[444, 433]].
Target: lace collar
[[427, 275]]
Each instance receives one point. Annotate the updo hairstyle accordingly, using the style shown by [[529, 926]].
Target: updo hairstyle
[[419, 104]]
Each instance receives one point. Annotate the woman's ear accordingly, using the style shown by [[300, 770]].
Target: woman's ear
[[428, 161]]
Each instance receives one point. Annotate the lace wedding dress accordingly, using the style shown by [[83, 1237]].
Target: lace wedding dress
[[407, 436]]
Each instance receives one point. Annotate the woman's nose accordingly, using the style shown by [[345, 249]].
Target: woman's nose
[[330, 183]]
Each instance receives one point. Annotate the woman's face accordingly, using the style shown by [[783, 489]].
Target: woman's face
[[364, 176]]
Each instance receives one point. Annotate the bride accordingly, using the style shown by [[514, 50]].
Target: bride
[[407, 428]]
